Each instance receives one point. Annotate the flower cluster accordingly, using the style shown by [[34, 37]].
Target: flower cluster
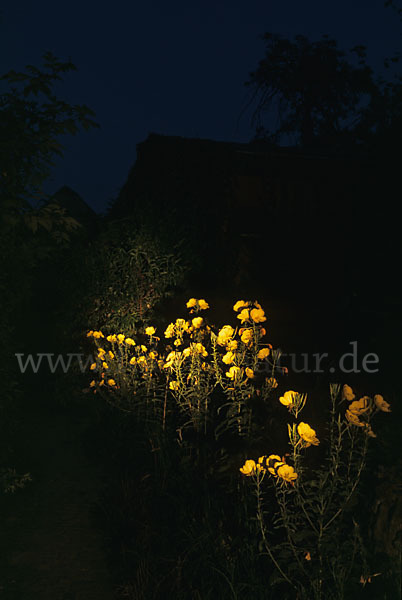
[[249, 312], [192, 358], [359, 412], [273, 464], [195, 305], [243, 348], [122, 356], [301, 436], [177, 329]]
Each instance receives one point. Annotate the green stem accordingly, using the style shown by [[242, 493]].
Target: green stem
[[260, 518], [358, 475]]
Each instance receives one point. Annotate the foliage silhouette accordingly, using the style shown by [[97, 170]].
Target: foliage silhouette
[[32, 119], [316, 90]]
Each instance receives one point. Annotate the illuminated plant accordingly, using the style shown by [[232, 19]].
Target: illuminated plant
[[129, 374], [315, 544], [195, 389], [238, 356], [185, 369]]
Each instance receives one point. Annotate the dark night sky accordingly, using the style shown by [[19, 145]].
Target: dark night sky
[[175, 68]]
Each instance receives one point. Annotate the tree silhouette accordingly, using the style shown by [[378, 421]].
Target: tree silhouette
[[316, 90], [32, 119]]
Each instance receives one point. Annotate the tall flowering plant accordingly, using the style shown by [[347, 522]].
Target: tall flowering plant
[[239, 353], [127, 373], [319, 550]]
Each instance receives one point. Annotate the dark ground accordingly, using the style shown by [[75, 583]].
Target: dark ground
[[54, 548]]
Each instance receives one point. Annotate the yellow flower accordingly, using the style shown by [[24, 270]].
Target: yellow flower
[[248, 468], [112, 338], [240, 304], [353, 419], [244, 315], [201, 350], [174, 385], [203, 304], [195, 349], [273, 469], [191, 303], [150, 330], [170, 359], [101, 352], [271, 381], [381, 403], [120, 338], [111, 382], [101, 382], [287, 473], [197, 322], [93, 366], [249, 373], [288, 398], [98, 334], [247, 336], [153, 354], [90, 333], [347, 393], [111, 355], [232, 345], [358, 407], [273, 457], [182, 324], [133, 360], [258, 315], [92, 384], [307, 434], [169, 331], [143, 348], [263, 353], [129, 342], [232, 373], [273, 462], [105, 365], [228, 358], [142, 360], [224, 335]]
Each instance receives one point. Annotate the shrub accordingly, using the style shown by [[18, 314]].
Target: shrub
[[121, 275]]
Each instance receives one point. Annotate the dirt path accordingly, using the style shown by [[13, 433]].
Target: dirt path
[[53, 547]]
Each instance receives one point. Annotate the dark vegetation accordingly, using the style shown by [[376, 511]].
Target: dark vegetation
[[175, 515]]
